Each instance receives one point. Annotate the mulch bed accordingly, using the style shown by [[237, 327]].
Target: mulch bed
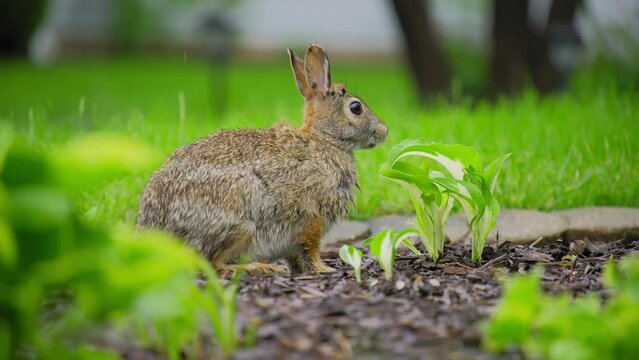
[[426, 311]]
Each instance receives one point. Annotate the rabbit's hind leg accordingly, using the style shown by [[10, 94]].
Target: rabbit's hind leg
[[307, 258], [237, 245]]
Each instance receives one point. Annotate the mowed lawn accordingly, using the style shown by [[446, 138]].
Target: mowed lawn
[[573, 149]]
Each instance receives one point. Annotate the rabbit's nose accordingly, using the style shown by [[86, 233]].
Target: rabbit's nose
[[382, 131]]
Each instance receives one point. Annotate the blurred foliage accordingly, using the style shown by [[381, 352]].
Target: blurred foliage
[[564, 328], [470, 73], [608, 74], [136, 22], [94, 278]]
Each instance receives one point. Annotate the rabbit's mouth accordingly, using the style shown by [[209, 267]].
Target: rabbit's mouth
[[374, 142]]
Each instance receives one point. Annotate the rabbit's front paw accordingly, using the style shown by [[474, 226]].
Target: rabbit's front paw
[[252, 269], [262, 269]]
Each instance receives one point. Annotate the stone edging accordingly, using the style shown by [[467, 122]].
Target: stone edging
[[515, 225]]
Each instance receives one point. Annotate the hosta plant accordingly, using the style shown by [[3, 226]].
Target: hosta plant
[[475, 193], [445, 173], [353, 257], [384, 247]]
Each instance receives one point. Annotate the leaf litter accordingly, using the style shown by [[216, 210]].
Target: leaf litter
[[426, 310]]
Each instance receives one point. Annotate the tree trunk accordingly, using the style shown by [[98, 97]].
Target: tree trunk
[[560, 28], [544, 73], [508, 63], [563, 11], [18, 20], [427, 62], [564, 40]]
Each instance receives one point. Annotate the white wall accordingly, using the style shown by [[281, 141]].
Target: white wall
[[344, 26], [351, 26]]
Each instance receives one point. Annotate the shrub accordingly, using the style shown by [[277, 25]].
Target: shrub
[[566, 328], [144, 282]]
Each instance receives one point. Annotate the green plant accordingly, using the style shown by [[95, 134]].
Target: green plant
[[352, 256], [446, 173], [220, 304], [565, 328], [143, 283], [384, 246]]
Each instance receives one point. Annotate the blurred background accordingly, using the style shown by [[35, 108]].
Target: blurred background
[[541, 39], [553, 81]]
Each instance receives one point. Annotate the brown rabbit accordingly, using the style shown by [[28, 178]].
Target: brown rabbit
[[269, 193]]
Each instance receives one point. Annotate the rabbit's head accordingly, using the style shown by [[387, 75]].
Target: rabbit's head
[[329, 109]]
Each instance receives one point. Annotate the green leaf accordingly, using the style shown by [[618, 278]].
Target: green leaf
[[383, 248], [403, 237], [491, 171], [412, 175], [454, 157]]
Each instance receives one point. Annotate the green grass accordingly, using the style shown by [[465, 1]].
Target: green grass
[[573, 149]]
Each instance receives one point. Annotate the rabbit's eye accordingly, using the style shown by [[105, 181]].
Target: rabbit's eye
[[356, 107]]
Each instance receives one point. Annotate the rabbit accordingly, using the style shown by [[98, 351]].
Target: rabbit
[[267, 194]]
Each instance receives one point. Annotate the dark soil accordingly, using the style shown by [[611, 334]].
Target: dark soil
[[426, 311]]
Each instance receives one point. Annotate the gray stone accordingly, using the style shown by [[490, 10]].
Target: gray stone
[[457, 228], [397, 222], [346, 231], [601, 223], [526, 226]]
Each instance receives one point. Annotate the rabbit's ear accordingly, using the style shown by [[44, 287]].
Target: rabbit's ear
[[318, 72], [297, 65]]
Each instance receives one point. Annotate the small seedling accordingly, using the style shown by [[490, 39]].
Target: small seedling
[[384, 246], [352, 256]]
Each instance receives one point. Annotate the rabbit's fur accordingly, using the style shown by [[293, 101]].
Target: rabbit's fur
[[269, 193]]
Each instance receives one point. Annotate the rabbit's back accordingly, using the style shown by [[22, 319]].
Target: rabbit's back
[[255, 187]]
